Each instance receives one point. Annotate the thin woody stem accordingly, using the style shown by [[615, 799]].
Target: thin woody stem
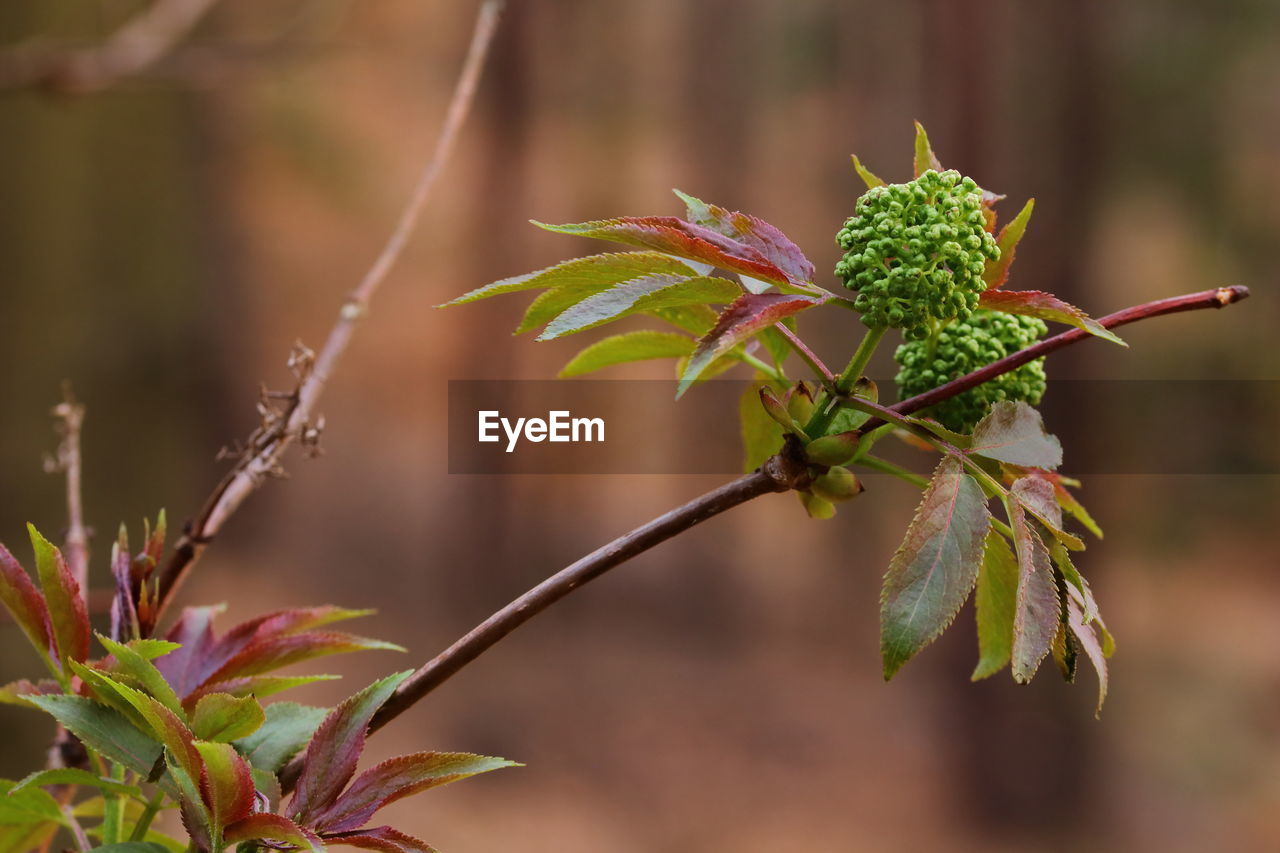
[[780, 473], [262, 458]]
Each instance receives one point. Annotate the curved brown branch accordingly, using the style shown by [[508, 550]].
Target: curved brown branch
[[139, 43], [778, 477], [779, 474], [1219, 297], [261, 459]]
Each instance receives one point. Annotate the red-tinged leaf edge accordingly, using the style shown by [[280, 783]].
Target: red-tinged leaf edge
[[67, 612], [675, 236], [397, 778], [1046, 306], [1038, 605], [1014, 432], [272, 827], [16, 692], [934, 570], [227, 785], [747, 315], [274, 652], [1094, 647], [383, 839], [752, 231], [331, 756], [924, 158], [26, 605], [997, 272]]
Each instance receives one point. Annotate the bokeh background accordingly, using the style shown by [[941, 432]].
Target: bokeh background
[[163, 243]]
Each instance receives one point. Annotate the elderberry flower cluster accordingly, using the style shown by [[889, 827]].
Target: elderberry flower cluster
[[915, 252], [962, 347]]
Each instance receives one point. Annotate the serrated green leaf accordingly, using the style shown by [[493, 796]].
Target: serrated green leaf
[[286, 729], [935, 568], [630, 346], [152, 648], [994, 603], [104, 730], [638, 296], [583, 275], [1014, 432], [697, 320], [551, 304], [924, 159], [1078, 588], [75, 776], [761, 434], [26, 805], [997, 272], [223, 718], [1038, 607], [138, 669], [863, 172], [1046, 306]]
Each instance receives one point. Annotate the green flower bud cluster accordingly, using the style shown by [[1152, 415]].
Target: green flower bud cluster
[[962, 347], [915, 252]]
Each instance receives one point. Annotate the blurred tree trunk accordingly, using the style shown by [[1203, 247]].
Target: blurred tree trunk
[[1022, 762], [107, 268]]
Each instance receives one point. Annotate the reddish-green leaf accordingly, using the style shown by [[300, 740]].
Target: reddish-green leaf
[[383, 839], [1039, 608], [287, 729], [1037, 495], [276, 651], [924, 159], [163, 724], [331, 757], [103, 729], [637, 296], [185, 667], [863, 172], [583, 276], [1077, 587], [16, 692], [265, 826], [750, 313], [1092, 645], [1046, 306], [135, 668], [223, 718], [997, 272], [680, 238], [995, 602], [640, 345], [754, 232], [1014, 432], [253, 685], [67, 613], [397, 778], [226, 786], [934, 570], [26, 605]]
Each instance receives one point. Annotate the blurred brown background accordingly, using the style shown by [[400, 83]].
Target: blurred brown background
[[162, 245]]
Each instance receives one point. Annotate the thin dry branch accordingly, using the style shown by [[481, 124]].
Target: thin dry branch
[[779, 474], [141, 42], [295, 420], [66, 460]]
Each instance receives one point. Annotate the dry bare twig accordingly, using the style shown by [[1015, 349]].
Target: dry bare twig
[[141, 42], [294, 420]]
